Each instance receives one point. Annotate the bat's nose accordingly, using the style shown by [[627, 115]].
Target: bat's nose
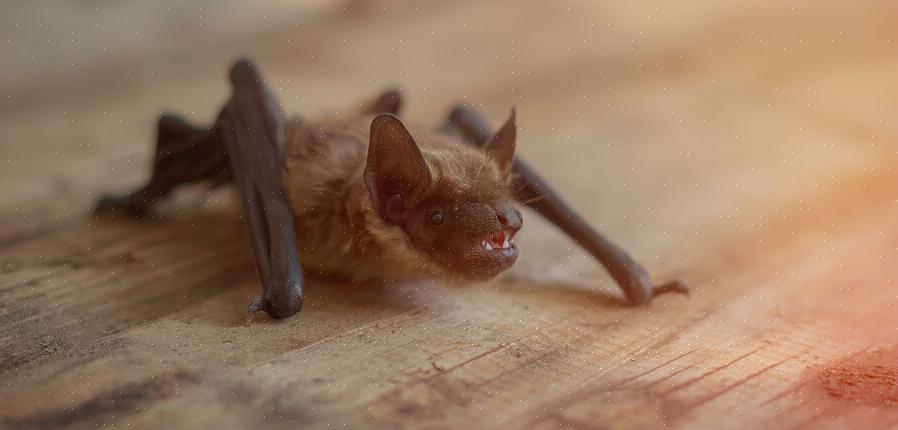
[[509, 218]]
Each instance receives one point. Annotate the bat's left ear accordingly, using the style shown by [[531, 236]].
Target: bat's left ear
[[501, 146], [396, 174]]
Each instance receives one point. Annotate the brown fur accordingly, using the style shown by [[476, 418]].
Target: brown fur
[[341, 232]]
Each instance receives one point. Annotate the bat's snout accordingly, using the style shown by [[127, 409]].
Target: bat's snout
[[509, 218]]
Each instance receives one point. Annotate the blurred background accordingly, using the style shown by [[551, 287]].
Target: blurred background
[[704, 115], [746, 147]]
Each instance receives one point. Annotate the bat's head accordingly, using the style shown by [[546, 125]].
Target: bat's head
[[452, 200]]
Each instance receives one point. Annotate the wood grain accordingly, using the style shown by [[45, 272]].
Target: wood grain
[[748, 149]]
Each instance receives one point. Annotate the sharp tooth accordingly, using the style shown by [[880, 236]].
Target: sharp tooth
[[488, 247], [505, 244]]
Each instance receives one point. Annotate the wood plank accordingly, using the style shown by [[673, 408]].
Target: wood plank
[[748, 149]]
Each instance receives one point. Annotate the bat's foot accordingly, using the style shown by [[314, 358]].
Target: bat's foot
[[256, 305], [670, 287], [639, 288], [286, 308]]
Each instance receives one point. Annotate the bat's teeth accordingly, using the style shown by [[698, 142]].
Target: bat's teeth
[[488, 246], [505, 244]]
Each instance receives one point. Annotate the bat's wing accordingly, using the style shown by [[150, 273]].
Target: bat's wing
[[184, 154], [538, 195], [246, 144]]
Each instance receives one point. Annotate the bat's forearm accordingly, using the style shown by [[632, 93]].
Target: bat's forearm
[[253, 130], [630, 275]]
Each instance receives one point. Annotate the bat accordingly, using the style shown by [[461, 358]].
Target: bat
[[365, 197]]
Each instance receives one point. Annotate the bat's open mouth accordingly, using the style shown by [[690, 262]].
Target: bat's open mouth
[[503, 240], [497, 252]]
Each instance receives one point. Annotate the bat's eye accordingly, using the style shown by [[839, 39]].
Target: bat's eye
[[436, 217]]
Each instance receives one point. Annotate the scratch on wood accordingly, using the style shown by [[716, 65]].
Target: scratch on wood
[[641, 374], [539, 359], [516, 340], [712, 371], [741, 381], [396, 348], [675, 332], [501, 346], [675, 373], [472, 359], [386, 321], [805, 382], [785, 393]]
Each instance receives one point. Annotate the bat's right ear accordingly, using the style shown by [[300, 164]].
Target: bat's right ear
[[501, 146], [396, 174]]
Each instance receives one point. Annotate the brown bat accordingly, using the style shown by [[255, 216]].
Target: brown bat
[[364, 197]]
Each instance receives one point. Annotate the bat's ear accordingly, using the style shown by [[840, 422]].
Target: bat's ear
[[396, 174], [501, 146], [388, 102]]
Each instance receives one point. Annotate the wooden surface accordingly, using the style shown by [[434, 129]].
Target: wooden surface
[[747, 148]]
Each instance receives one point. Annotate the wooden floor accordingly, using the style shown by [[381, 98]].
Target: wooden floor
[[750, 149]]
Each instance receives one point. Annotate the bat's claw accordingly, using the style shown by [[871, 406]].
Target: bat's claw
[[256, 305], [638, 286], [670, 287]]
